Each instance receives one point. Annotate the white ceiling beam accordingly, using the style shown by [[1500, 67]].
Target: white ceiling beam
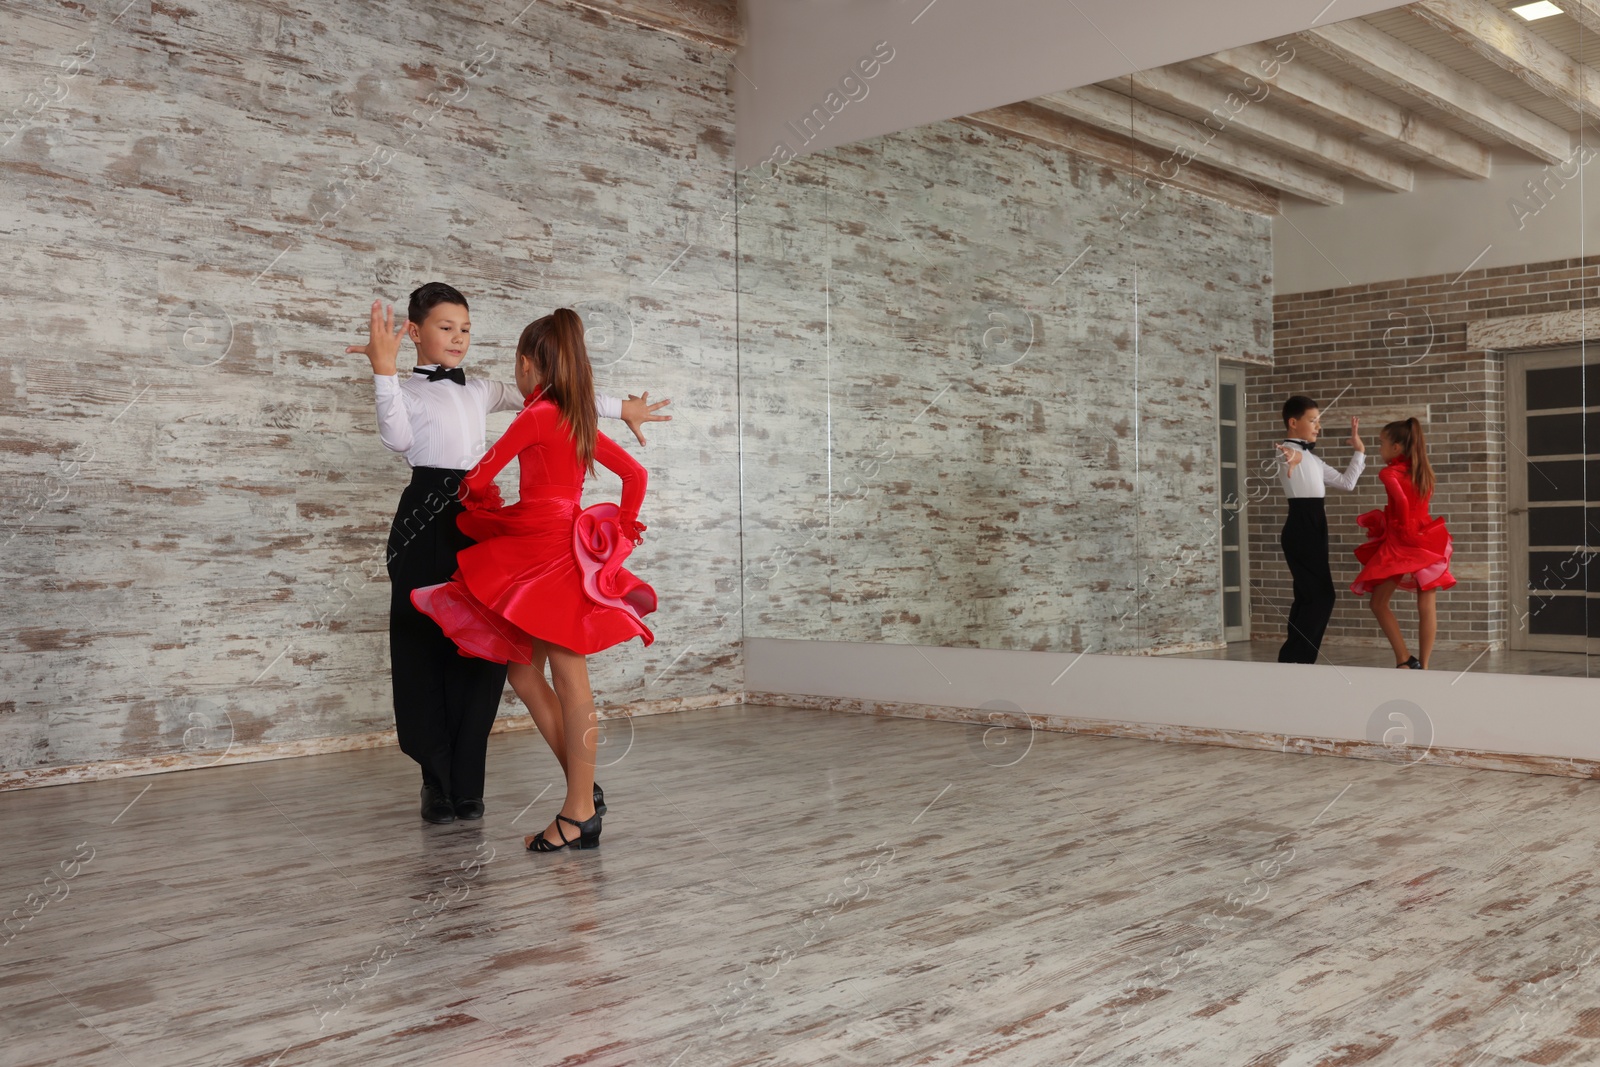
[[1237, 114], [1028, 120], [1585, 12], [1377, 54], [1121, 114], [1363, 114], [1511, 44]]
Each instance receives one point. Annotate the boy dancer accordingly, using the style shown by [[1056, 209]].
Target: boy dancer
[[444, 703], [1305, 533]]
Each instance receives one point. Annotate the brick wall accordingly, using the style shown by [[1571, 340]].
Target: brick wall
[[1385, 351]]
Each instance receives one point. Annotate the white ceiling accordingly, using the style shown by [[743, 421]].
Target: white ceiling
[[953, 57]]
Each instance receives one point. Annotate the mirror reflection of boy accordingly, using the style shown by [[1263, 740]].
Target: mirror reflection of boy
[[1304, 539], [445, 703]]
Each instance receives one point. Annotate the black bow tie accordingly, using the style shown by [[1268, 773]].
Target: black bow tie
[[455, 374], [1309, 446]]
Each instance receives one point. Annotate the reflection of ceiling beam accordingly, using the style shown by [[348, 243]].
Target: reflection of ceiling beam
[[1586, 12], [1058, 131], [1184, 92], [1511, 44], [1377, 54], [1364, 114], [1120, 114]]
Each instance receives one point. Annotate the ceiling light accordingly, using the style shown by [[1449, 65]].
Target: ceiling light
[[1541, 10]]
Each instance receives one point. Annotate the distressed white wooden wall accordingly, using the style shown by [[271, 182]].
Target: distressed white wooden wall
[[979, 387], [199, 204]]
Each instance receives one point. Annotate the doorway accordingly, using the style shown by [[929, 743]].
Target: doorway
[[1230, 515], [1553, 468]]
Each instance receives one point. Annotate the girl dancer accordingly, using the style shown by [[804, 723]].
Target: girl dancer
[[1405, 549], [545, 580], [444, 704]]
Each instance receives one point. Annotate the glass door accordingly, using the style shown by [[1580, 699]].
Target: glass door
[[1553, 466], [1230, 467]]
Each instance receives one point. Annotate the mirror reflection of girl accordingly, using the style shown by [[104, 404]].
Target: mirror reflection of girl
[[1405, 548]]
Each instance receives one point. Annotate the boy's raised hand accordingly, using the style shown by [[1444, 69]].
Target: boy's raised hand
[[1355, 435], [383, 344], [1291, 456], [637, 410]]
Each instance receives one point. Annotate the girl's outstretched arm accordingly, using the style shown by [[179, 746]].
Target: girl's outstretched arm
[[637, 410]]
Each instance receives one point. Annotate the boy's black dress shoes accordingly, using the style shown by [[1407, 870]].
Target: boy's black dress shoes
[[468, 808], [436, 807]]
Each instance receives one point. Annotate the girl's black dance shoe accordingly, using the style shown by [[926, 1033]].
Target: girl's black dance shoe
[[1414, 663], [588, 835]]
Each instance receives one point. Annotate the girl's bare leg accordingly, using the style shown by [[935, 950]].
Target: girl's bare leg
[[1427, 624], [1386, 620], [571, 674], [528, 682]]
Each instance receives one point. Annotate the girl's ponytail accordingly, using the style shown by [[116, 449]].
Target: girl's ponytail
[[1408, 435], [1421, 469], [554, 344]]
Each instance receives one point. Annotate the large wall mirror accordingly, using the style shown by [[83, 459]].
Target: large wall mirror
[[1015, 380]]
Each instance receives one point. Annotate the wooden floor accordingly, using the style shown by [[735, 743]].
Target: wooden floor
[[1500, 661], [792, 887]]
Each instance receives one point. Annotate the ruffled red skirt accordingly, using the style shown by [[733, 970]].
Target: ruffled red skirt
[[541, 569], [1420, 561]]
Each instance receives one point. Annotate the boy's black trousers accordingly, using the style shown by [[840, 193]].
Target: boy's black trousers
[[1305, 547], [444, 703]]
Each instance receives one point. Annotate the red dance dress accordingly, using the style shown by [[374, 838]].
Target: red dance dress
[[1402, 541], [542, 568]]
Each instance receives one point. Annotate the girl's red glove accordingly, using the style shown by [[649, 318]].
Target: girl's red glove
[[634, 530]]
